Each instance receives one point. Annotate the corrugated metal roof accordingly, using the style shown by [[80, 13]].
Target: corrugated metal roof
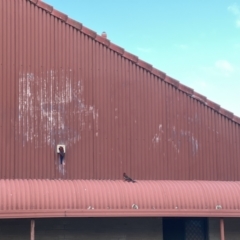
[[78, 198]]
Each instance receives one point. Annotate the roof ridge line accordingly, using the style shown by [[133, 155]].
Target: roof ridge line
[[148, 67]]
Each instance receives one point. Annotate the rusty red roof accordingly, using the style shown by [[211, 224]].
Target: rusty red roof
[[92, 198]]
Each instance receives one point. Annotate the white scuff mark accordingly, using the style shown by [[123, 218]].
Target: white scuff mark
[[176, 138], [160, 128], [157, 136], [51, 104], [26, 104], [194, 144], [174, 145], [191, 139], [68, 95], [96, 121], [61, 168]]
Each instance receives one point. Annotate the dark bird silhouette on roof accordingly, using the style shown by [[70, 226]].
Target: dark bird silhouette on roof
[[127, 178], [61, 154]]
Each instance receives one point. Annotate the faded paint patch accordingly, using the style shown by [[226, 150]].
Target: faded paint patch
[[193, 142], [61, 167], [176, 139], [158, 135], [52, 109]]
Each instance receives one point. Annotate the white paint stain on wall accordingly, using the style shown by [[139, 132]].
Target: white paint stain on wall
[[191, 140], [176, 139], [52, 109], [157, 136]]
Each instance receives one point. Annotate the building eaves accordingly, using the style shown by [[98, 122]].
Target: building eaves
[[148, 67]]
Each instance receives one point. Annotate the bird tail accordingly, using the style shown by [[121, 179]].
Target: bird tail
[[61, 159]]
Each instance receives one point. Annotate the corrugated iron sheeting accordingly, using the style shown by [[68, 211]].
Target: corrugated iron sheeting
[[86, 198], [63, 84]]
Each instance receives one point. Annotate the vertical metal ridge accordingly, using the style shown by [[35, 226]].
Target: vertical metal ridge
[[45, 73], [2, 56], [4, 100], [113, 116], [12, 85], [17, 89], [70, 107], [152, 117], [1, 84], [73, 59]]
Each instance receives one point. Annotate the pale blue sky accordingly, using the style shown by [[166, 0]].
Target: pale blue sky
[[194, 41]]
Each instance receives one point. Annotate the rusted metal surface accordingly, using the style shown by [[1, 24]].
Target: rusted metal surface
[[61, 83], [85, 198]]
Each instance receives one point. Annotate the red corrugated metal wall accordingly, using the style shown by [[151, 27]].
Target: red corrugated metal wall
[[63, 84]]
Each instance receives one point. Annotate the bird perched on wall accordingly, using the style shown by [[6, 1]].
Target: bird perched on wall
[[61, 154], [128, 179]]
